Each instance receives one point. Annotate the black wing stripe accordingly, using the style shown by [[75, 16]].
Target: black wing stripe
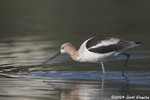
[[114, 47], [94, 41]]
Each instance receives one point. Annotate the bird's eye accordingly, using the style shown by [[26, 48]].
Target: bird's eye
[[62, 47]]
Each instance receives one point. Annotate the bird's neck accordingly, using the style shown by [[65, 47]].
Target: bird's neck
[[74, 53]]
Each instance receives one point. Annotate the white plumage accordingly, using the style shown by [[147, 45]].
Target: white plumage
[[98, 50], [106, 42], [88, 56]]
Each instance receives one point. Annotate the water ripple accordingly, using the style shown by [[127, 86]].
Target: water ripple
[[133, 77]]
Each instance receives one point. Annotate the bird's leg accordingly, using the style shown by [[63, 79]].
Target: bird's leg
[[126, 62], [103, 69]]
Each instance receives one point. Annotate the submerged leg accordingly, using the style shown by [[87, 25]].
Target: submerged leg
[[126, 62], [103, 69]]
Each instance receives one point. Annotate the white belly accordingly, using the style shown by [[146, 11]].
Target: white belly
[[87, 56], [96, 57]]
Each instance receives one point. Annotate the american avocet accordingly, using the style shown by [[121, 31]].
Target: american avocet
[[98, 49]]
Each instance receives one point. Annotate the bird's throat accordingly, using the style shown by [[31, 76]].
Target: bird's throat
[[74, 54]]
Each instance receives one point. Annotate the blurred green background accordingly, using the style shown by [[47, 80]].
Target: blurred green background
[[33, 30], [67, 19]]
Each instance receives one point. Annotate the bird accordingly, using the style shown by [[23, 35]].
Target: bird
[[99, 49]]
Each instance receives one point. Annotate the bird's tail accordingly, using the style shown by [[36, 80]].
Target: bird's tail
[[137, 43], [133, 44]]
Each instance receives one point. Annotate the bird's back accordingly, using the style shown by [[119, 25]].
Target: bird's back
[[101, 48], [108, 44]]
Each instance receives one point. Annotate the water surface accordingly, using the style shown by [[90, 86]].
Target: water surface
[[33, 30]]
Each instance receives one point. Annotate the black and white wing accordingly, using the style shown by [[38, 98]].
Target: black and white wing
[[108, 44]]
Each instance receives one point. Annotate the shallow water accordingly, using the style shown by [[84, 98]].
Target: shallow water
[[23, 76], [30, 35]]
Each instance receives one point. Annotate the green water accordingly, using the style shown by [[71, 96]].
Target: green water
[[33, 30]]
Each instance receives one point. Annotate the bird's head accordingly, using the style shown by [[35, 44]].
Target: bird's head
[[66, 47]]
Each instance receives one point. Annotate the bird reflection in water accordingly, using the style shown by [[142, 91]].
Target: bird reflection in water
[[80, 90]]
